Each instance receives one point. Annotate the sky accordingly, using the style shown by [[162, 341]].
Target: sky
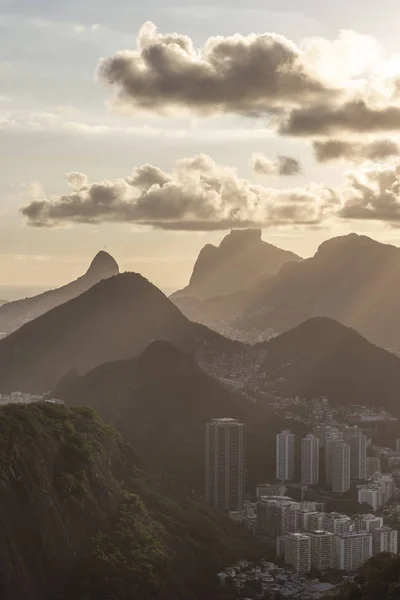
[[150, 129]]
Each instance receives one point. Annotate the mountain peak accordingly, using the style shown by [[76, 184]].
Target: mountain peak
[[353, 241], [241, 260], [103, 265], [242, 236]]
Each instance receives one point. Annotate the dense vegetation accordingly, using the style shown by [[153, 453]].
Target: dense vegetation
[[378, 579], [82, 517]]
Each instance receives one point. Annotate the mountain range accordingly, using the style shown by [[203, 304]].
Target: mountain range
[[352, 279], [16, 313], [242, 260], [120, 316], [115, 319]]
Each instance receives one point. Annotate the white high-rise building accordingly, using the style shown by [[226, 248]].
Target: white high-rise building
[[373, 465], [368, 522], [322, 550], [358, 455], [298, 552], [352, 550], [319, 432], [369, 494], [309, 460], [225, 454], [315, 521], [331, 436], [340, 466], [336, 523], [285, 442], [384, 540]]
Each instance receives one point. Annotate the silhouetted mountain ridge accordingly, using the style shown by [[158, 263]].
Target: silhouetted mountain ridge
[[115, 319], [16, 313], [352, 279], [242, 259], [160, 401], [322, 357]]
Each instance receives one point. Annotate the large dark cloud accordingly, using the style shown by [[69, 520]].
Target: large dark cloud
[[284, 165], [198, 194], [356, 152], [350, 117], [242, 74]]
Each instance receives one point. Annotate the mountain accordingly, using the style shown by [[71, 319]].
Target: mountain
[[241, 260], [3, 302], [83, 517], [160, 402], [14, 314], [352, 279], [322, 357], [115, 319]]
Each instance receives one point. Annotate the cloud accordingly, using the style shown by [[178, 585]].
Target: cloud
[[351, 117], [284, 165], [248, 75], [198, 195], [326, 151], [373, 194]]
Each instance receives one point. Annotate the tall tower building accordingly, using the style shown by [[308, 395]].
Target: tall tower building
[[397, 444], [322, 550], [358, 455], [309, 460], [340, 466], [225, 464], [285, 455], [332, 435], [298, 552]]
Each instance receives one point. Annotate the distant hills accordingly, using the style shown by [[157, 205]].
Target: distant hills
[[14, 314], [241, 261], [160, 401], [115, 319], [352, 279], [119, 317], [322, 357]]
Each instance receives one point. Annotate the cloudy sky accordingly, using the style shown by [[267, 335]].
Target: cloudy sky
[[151, 130]]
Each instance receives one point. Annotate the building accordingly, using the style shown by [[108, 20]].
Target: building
[[276, 516], [225, 464], [285, 442], [367, 522], [384, 539], [309, 460], [322, 550], [358, 455], [369, 494], [319, 432], [378, 492], [340, 456], [315, 521], [298, 552], [373, 465], [270, 489], [336, 523], [331, 436], [352, 550], [398, 445]]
